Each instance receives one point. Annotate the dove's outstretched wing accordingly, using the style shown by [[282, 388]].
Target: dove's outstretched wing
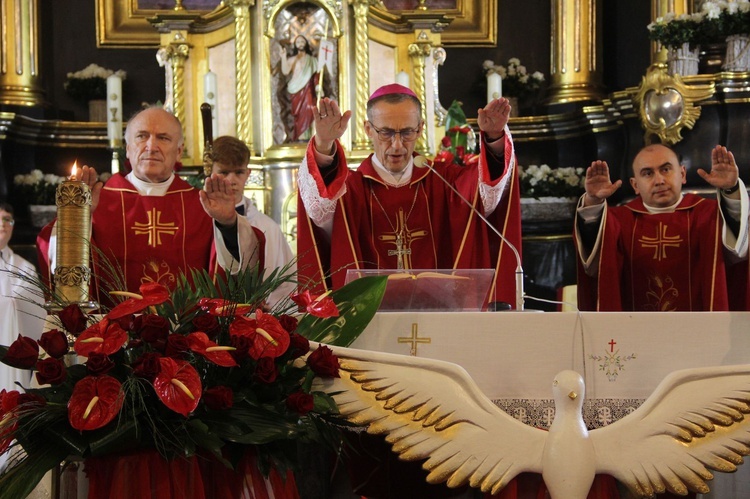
[[694, 421], [433, 410]]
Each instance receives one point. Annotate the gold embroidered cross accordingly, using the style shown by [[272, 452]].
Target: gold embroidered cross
[[154, 228], [402, 238], [661, 242], [413, 339]]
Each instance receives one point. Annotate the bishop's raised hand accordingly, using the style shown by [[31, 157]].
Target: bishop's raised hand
[[493, 118], [330, 124]]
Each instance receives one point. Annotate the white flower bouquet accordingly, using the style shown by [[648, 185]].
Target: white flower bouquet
[[517, 82], [90, 82], [542, 181]]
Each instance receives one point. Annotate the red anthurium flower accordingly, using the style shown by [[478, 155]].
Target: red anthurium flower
[[95, 401], [267, 336], [200, 344], [178, 385], [322, 306], [220, 307], [152, 293], [8, 402], [104, 337]]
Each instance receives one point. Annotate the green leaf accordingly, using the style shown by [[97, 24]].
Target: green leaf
[[19, 479], [357, 303]]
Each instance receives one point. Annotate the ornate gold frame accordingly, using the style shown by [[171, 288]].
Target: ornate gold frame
[[474, 22], [666, 104], [121, 23]]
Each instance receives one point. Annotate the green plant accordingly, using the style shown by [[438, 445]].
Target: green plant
[[201, 370]]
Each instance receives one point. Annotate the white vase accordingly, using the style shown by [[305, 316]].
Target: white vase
[[683, 61], [548, 209], [42, 214], [738, 53]]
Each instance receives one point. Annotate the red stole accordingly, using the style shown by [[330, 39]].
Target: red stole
[[659, 262], [152, 238], [440, 231]]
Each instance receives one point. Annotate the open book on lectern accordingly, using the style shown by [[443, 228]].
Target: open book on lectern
[[442, 290]]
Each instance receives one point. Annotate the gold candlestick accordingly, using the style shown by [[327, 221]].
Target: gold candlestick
[[72, 272]]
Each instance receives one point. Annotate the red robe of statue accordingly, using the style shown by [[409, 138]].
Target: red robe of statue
[[658, 262], [423, 223]]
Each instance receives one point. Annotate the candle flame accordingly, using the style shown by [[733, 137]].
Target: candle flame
[[74, 170]]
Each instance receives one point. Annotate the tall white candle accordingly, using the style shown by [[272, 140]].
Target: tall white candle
[[494, 86], [114, 111], [402, 78], [210, 96]]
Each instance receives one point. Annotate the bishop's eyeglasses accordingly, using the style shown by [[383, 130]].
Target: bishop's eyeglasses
[[8, 220], [406, 134]]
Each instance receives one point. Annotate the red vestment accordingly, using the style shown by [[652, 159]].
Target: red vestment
[[658, 262], [146, 238], [439, 230]]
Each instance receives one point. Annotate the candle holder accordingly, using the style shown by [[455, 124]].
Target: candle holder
[[73, 273]]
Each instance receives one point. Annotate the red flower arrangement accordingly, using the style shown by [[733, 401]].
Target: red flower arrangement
[[184, 373]]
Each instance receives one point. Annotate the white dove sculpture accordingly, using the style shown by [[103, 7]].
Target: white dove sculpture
[[428, 409]]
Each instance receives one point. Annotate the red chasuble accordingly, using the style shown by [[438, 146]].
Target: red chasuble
[[658, 262], [423, 224]]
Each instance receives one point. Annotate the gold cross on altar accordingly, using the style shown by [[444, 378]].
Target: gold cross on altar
[[154, 228], [661, 242], [402, 238], [413, 339]]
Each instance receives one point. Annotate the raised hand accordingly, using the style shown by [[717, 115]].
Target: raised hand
[[598, 184], [217, 199], [493, 118], [88, 176], [724, 172], [330, 124]]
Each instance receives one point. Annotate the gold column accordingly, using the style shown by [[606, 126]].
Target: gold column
[[418, 51], [19, 53], [243, 68], [576, 51], [175, 54], [660, 8], [362, 72]]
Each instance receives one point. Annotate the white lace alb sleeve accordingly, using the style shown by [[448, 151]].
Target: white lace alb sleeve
[[319, 209], [492, 194]]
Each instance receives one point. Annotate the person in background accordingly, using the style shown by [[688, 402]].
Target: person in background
[[665, 250], [230, 161], [154, 225]]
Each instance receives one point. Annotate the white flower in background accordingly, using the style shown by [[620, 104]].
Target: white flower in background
[[542, 181], [514, 61]]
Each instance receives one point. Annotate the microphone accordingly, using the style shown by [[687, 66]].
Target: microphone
[[421, 161]]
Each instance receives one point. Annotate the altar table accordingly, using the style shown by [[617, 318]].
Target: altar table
[[514, 356]]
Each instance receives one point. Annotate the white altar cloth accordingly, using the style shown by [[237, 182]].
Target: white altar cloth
[[514, 356]]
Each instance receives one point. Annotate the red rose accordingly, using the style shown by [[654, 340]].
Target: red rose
[[208, 324], [300, 402], [288, 322], [324, 363], [125, 322], [55, 343], [265, 370], [73, 319], [152, 329], [242, 347], [446, 141], [147, 366], [99, 363], [177, 345], [218, 398], [50, 371], [22, 353], [460, 151], [298, 345]]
